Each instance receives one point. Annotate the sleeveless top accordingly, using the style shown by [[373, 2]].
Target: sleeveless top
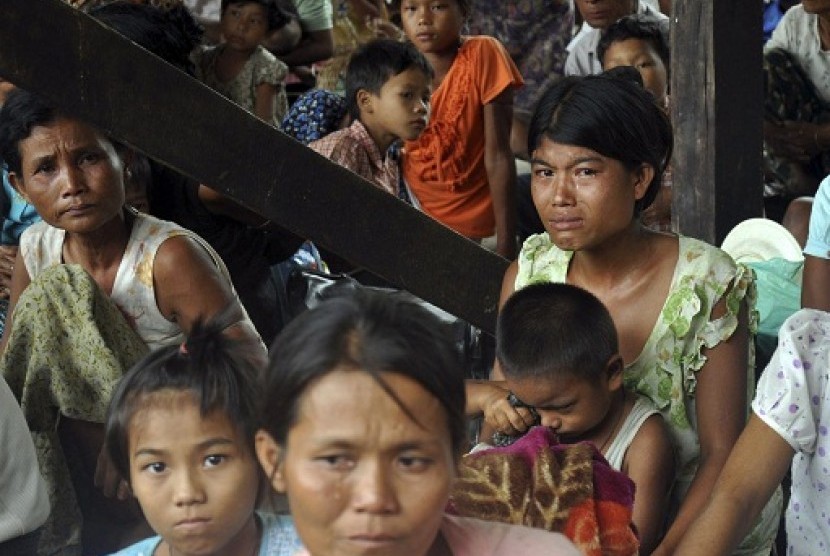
[[133, 291], [642, 410]]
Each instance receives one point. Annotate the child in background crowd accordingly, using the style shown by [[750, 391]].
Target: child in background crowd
[[388, 84], [642, 42], [557, 347], [180, 430], [239, 67], [461, 168]]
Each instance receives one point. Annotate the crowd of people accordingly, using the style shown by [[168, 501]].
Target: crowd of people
[[176, 408]]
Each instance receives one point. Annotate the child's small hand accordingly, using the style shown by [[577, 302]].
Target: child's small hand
[[500, 414]]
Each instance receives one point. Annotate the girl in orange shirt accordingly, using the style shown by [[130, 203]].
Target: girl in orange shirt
[[461, 168]]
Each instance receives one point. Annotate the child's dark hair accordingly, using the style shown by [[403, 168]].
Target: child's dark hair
[[374, 63], [216, 369], [370, 332], [279, 12], [554, 329], [638, 26], [169, 34], [614, 117]]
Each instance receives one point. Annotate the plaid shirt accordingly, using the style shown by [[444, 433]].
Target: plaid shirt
[[354, 148]]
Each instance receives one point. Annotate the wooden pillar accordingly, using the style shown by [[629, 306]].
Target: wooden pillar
[[717, 107]]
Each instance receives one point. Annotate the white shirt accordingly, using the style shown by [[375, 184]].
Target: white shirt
[[582, 50], [793, 399], [315, 15], [797, 33], [24, 504]]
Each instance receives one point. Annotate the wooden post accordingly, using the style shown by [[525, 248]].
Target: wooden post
[[717, 108]]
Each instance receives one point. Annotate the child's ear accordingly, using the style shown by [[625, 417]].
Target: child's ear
[[17, 183], [645, 173], [364, 101], [614, 369], [270, 455]]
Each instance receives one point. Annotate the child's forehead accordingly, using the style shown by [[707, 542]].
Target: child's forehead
[[159, 414], [550, 385], [635, 43]]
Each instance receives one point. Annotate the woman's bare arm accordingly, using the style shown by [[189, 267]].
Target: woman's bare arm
[[190, 287], [744, 487], [721, 415]]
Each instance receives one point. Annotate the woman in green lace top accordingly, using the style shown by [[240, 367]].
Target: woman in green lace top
[[683, 309]]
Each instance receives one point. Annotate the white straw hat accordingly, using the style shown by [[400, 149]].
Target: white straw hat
[[761, 239]]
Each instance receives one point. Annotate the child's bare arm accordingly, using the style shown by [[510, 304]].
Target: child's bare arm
[[745, 485], [501, 170], [265, 98], [650, 463]]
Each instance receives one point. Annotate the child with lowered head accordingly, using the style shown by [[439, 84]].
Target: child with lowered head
[[388, 86], [557, 347]]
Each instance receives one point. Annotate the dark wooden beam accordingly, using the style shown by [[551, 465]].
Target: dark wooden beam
[[89, 71], [717, 106]]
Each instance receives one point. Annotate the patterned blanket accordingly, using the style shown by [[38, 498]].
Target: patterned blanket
[[537, 482]]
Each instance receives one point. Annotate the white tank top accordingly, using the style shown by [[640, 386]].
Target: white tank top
[[42, 247]]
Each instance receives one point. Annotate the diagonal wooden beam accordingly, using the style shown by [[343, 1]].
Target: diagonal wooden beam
[[89, 71]]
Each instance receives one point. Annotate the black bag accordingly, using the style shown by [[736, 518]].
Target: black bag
[[306, 288]]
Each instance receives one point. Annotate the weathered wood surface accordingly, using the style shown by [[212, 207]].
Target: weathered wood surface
[[92, 72], [717, 108]]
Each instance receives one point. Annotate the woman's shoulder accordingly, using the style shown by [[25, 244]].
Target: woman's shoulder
[[473, 537], [146, 225], [696, 255], [41, 241]]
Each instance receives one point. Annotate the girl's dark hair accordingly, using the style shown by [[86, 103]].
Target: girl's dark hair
[[371, 332], [611, 116], [279, 12], [171, 35], [216, 369], [551, 330]]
